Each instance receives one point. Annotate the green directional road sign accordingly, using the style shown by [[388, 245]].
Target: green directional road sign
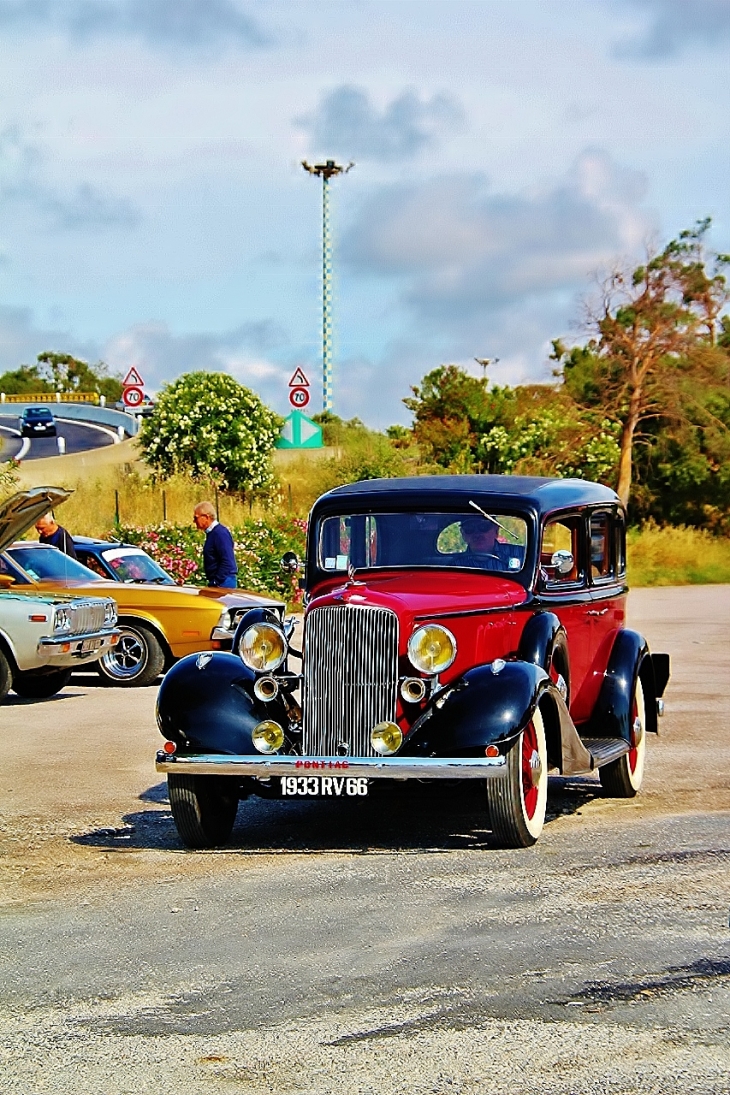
[[299, 432]]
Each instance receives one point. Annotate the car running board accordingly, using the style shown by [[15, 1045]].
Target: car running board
[[604, 750]]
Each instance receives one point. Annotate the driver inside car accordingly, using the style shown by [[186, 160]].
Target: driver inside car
[[482, 547]]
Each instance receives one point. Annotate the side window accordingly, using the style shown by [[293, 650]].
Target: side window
[[561, 537], [619, 531], [603, 558], [92, 563]]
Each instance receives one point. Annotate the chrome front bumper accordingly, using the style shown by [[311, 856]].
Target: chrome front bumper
[[216, 764], [94, 644]]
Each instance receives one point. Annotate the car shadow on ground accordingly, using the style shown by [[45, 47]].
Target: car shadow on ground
[[11, 700], [400, 817]]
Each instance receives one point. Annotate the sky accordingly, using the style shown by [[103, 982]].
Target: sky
[[154, 211]]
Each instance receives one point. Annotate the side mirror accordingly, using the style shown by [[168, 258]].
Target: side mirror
[[290, 562], [563, 561]]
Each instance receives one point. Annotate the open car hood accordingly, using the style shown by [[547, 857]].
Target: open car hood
[[19, 513]]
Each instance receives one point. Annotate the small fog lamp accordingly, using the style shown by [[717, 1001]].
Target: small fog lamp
[[262, 647], [267, 736], [386, 738], [432, 648]]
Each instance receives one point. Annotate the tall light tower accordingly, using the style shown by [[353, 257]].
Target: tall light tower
[[326, 171]]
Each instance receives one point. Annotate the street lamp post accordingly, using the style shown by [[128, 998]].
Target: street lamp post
[[326, 171]]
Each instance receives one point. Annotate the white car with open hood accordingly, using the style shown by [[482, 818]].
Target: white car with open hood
[[42, 639]]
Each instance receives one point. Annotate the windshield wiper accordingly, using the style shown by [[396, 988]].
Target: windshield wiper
[[508, 532]]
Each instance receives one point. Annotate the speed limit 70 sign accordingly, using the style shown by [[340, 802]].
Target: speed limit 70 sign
[[298, 397], [132, 396]]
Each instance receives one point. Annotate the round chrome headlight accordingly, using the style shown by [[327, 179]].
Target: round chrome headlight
[[267, 736], [262, 647], [225, 620], [432, 648], [386, 738]]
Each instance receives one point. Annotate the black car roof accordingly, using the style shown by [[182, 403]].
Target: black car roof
[[514, 491]]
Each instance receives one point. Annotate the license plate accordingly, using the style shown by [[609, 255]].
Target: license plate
[[323, 786], [90, 644]]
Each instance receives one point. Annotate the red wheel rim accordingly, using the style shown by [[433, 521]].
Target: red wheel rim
[[529, 791], [633, 753]]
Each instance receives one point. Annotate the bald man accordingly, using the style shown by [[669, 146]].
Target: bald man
[[50, 532], [219, 559]]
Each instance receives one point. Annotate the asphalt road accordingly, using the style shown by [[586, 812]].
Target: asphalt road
[[372, 946], [79, 437]]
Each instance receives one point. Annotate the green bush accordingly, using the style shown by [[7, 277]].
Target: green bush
[[209, 426], [259, 544]]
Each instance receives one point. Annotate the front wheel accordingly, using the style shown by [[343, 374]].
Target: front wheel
[[517, 795], [39, 686], [203, 808], [622, 778], [137, 659]]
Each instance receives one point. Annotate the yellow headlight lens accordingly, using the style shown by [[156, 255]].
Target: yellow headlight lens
[[386, 738], [432, 648], [263, 647], [268, 736]]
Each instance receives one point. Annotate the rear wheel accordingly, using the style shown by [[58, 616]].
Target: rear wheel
[[204, 808], [517, 795], [39, 686], [137, 659], [6, 677], [622, 778]]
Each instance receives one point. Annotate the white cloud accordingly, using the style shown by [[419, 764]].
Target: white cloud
[[24, 182], [188, 24], [346, 123], [462, 251], [672, 26], [21, 340], [160, 356]]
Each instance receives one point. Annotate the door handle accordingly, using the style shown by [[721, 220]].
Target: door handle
[[596, 612]]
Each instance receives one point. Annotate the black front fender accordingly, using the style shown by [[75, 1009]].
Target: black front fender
[[486, 706], [206, 704]]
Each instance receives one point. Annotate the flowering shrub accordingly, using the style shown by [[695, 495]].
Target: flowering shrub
[[209, 426], [259, 544]]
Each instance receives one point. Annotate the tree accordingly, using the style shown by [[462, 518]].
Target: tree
[[645, 329], [209, 426], [66, 373], [26, 379], [452, 410]]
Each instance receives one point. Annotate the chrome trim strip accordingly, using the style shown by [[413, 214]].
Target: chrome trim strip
[[52, 645], [376, 767]]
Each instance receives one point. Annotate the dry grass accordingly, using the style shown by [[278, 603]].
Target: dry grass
[[121, 486], [678, 556], [656, 555]]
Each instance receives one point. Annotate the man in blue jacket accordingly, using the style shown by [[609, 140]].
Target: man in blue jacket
[[219, 560]]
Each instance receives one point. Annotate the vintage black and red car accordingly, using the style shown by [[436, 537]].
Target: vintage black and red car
[[456, 627]]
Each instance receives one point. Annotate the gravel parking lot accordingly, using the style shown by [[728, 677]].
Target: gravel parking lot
[[371, 945]]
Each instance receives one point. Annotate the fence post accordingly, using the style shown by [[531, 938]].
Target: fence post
[[289, 493], [164, 506], [116, 506]]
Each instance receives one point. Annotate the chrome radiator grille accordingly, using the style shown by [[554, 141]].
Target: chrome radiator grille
[[350, 678], [86, 616]]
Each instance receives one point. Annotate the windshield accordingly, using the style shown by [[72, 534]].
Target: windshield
[[494, 542], [132, 565], [48, 562]]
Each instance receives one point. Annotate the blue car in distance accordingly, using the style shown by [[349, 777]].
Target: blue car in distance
[[37, 422]]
